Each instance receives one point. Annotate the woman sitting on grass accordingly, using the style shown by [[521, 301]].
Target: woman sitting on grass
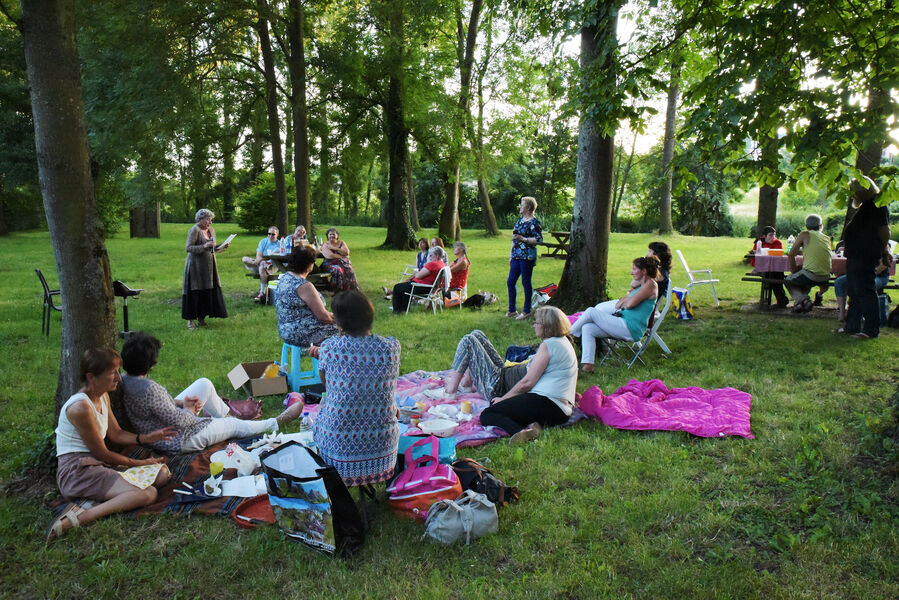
[[524, 398], [149, 405], [624, 319], [356, 430], [86, 467]]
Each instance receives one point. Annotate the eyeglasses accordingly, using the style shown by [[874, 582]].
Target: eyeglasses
[[273, 233]]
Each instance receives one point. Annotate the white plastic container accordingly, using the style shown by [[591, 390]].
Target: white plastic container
[[438, 427]]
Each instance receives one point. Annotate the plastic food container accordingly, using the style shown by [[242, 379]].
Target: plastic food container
[[438, 427], [775, 251]]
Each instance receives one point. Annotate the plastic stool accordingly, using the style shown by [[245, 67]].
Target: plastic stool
[[296, 379]]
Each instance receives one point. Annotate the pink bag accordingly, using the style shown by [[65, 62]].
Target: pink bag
[[423, 482]]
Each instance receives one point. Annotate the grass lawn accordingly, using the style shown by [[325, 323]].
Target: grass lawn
[[808, 509]]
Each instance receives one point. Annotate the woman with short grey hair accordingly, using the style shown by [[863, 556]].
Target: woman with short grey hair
[[201, 293]]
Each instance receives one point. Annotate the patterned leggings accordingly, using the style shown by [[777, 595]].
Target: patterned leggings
[[477, 354]]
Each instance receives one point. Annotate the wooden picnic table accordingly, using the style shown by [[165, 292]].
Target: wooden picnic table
[[559, 248]]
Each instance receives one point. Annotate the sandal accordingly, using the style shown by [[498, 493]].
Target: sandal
[[512, 314], [190, 325], [56, 529], [523, 316]]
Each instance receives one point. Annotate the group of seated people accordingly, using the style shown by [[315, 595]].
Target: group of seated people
[[429, 262], [334, 251]]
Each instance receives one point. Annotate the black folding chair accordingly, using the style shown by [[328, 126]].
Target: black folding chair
[[48, 304]]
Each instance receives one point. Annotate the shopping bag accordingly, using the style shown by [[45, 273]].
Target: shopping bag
[[423, 482], [682, 307], [447, 449], [310, 501]]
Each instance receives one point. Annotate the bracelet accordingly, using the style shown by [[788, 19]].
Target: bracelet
[[138, 440]]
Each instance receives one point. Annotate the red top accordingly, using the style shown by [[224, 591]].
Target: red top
[[433, 268], [775, 244], [460, 278]]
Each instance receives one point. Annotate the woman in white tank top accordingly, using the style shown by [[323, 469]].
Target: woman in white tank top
[[86, 467]]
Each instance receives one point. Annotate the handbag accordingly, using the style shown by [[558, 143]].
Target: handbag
[[682, 306], [310, 502], [423, 482], [446, 452], [471, 515], [476, 477], [246, 410]]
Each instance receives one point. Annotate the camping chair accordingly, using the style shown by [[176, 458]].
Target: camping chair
[[616, 346], [433, 293], [48, 304], [694, 280]]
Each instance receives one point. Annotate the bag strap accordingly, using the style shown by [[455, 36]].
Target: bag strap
[[416, 467]]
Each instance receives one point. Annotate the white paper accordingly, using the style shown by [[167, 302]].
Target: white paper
[[227, 241], [244, 487]]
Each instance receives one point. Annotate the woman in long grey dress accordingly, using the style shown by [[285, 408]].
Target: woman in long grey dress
[[201, 295]]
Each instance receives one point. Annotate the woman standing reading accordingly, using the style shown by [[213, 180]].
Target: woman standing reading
[[201, 294]]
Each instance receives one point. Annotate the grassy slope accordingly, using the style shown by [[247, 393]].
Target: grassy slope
[[801, 511]]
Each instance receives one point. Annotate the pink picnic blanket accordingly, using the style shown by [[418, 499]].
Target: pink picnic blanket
[[651, 405]]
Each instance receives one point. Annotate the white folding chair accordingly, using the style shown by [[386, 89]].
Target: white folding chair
[[433, 293], [652, 333], [696, 277]]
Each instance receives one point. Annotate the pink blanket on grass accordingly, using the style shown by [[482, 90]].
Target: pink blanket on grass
[[651, 405]]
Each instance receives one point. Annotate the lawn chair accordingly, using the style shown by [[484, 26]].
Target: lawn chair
[[616, 346], [432, 294], [48, 304], [694, 280]]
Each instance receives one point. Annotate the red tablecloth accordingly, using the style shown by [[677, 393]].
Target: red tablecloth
[[764, 264]]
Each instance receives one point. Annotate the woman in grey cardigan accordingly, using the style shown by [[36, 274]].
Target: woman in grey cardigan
[[201, 295]]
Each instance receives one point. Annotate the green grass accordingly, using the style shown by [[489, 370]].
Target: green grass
[[807, 509]]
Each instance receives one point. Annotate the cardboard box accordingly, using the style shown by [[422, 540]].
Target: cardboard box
[[248, 375]]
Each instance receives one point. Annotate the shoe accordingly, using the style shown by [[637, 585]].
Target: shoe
[[259, 298], [291, 413], [512, 314], [191, 325], [201, 323], [819, 299], [523, 316], [861, 336], [56, 529], [780, 305], [588, 368], [840, 330], [528, 434], [387, 292]]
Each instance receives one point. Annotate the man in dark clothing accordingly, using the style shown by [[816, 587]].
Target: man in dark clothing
[[866, 240]]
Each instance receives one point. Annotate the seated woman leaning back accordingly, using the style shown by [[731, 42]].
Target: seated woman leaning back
[[623, 319], [523, 398], [87, 468]]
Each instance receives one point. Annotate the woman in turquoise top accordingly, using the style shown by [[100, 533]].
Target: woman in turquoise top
[[623, 319]]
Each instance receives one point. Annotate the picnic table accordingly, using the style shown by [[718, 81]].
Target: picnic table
[[559, 248], [320, 279]]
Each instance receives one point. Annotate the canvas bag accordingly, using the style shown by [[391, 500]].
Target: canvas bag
[[310, 501], [471, 515], [476, 477], [424, 481], [682, 307]]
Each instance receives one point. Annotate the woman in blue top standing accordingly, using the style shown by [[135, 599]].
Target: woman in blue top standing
[[526, 234], [623, 319]]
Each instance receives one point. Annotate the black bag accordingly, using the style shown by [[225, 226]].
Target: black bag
[[478, 478], [310, 501], [893, 320], [520, 353]]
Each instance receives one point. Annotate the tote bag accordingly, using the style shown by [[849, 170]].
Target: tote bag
[[310, 501], [423, 482]]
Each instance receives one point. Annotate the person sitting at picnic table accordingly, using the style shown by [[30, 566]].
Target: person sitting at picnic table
[[337, 262], [769, 239], [815, 272], [87, 468], [267, 246], [867, 237], [303, 319], [356, 429], [624, 319], [523, 399], [402, 291], [422, 257], [459, 267], [150, 406], [298, 238], [662, 252]]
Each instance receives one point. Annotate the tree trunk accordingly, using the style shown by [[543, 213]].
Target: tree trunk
[[476, 139], [297, 66], [767, 214], [228, 151], [60, 133], [399, 234], [449, 217], [144, 221], [583, 281], [271, 105], [324, 175], [665, 225], [4, 228], [413, 205], [619, 195]]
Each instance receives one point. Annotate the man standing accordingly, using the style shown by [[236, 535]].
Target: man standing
[[866, 239], [267, 246], [815, 249]]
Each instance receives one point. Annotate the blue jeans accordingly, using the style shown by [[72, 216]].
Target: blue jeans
[[523, 269]]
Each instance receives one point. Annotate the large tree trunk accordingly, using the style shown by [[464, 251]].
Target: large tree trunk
[[767, 213], [228, 151], [583, 280], [620, 178], [271, 105], [296, 63], [399, 234], [665, 225], [60, 133], [323, 191], [144, 221], [413, 206]]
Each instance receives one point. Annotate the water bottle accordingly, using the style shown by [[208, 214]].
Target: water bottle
[[282, 246], [758, 248]]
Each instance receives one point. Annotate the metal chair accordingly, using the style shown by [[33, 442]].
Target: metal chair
[[694, 280], [48, 304], [432, 293], [614, 345]]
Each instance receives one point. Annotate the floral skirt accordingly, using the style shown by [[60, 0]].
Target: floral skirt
[[342, 275]]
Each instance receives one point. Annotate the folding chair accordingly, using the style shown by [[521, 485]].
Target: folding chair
[[49, 306], [615, 346], [694, 280], [432, 294]]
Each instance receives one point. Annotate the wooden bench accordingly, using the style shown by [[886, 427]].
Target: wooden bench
[[768, 282]]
